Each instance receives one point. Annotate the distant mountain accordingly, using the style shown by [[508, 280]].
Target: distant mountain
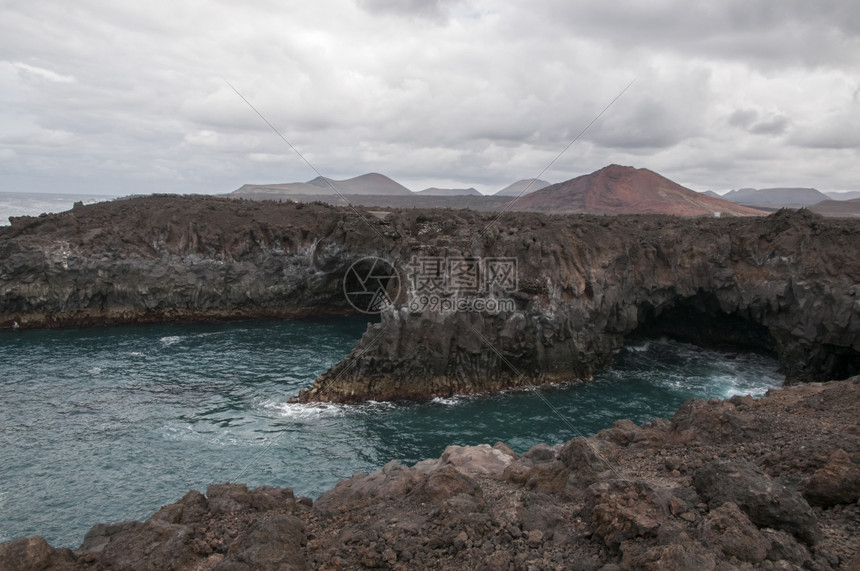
[[712, 194], [838, 208], [850, 195], [433, 191], [371, 183], [617, 189], [518, 187], [775, 197]]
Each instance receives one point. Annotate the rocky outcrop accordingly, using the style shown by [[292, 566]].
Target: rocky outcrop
[[680, 494], [787, 283], [163, 258]]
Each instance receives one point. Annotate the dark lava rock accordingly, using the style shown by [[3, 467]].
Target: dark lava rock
[[836, 483], [767, 503], [786, 283]]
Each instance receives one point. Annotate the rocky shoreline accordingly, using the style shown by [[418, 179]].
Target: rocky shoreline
[[786, 283], [743, 483]]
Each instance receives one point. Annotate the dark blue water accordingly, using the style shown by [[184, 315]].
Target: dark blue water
[[101, 425]]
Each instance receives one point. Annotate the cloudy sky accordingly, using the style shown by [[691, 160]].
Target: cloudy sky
[[119, 97]]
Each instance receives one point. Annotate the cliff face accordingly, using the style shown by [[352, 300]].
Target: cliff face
[[162, 258], [788, 283]]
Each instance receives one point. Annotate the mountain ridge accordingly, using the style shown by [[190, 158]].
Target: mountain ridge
[[526, 185], [435, 191], [370, 183], [778, 197]]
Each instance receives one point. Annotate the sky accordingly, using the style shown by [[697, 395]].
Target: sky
[[125, 97]]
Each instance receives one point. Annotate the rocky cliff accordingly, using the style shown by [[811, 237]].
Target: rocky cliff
[[772, 483], [788, 283]]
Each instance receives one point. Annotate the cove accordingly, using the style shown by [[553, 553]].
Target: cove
[[110, 424]]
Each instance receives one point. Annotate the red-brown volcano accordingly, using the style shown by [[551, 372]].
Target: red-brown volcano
[[626, 190]]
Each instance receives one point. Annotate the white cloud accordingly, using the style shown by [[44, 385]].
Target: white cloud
[[478, 93], [28, 71]]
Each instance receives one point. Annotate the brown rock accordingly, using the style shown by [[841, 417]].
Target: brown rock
[[836, 483], [731, 530], [478, 460], [447, 482], [268, 544], [767, 503], [31, 554], [622, 510], [228, 498]]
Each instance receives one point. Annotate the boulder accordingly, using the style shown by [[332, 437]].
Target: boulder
[[730, 529], [392, 480], [765, 502], [480, 460], [838, 482], [622, 510], [32, 554], [268, 544]]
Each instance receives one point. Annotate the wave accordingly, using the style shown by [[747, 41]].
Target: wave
[[170, 340], [448, 401]]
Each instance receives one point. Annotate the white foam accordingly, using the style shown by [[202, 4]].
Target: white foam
[[640, 347], [301, 411], [447, 401], [170, 340], [377, 405]]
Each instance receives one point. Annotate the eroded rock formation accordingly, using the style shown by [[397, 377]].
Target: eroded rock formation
[[788, 283], [680, 494]]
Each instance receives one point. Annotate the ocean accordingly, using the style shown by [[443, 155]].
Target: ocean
[[34, 203], [109, 424]]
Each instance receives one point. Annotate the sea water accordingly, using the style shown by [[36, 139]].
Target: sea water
[[34, 203], [107, 425]]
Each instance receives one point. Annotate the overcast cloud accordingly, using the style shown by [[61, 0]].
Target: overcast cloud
[[128, 97]]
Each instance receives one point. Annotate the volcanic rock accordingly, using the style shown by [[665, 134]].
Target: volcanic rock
[[767, 503], [786, 283], [836, 483]]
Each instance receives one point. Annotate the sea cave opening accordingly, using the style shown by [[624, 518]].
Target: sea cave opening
[[700, 320]]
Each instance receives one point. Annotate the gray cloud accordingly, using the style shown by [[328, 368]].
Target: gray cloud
[[124, 97], [430, 9]]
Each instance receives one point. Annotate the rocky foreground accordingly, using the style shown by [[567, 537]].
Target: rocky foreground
[[772, 483]]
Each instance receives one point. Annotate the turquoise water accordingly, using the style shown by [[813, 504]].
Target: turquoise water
[[103, 425]]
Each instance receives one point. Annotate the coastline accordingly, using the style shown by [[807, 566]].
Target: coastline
[[769, 483], [786, 283]]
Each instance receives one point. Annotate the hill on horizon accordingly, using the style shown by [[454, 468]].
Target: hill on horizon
[[775, 197], [838, 208], [433, 191], [371, 183], [518, 187], [847, 195], [619, 189]]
